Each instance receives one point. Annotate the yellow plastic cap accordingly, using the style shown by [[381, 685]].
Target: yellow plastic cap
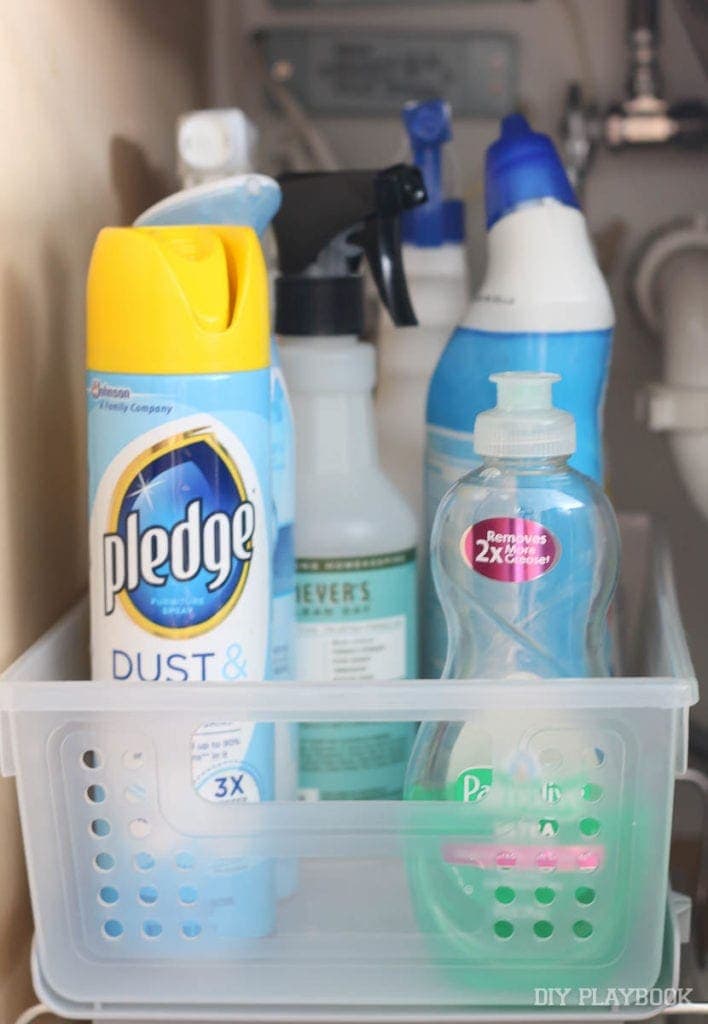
[[182, 300]]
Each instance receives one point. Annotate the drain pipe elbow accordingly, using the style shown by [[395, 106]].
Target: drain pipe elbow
[[671, 289]]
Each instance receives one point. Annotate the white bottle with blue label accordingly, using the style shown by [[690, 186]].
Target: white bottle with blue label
[[435, 262], [355, 535], [543, 305]]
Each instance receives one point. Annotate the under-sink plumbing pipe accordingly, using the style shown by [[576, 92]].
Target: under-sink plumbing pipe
[[644, 117], [670, 285]]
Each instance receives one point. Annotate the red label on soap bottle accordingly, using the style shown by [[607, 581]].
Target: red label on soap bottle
[[509, 550]]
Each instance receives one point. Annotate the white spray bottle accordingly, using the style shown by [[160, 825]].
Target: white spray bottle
[[435, 262], [355, 536]]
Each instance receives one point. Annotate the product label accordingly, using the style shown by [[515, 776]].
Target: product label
[[225, 756], [182, 578], [356, 617], [375, 649], [180, 545], [474, 784], [356, 620], [509, 550]]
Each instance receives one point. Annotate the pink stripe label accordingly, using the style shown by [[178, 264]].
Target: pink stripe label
[[525, 858]]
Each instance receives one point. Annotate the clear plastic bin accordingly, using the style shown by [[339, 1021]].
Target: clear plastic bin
[[561, 870]]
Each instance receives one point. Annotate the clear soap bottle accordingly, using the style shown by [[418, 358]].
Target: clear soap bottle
[[524, 549], [525, 557]]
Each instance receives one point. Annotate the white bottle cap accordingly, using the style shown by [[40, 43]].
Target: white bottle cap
[[525, 423], [213, 143]]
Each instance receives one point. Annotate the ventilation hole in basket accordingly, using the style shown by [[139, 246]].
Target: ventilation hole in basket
[[547, 860], [503, 929], [504, 894], [91, 759], [104, 861], [96, 794], [139, 828], [551, 758], [184, 860], [585, 895], [593, 757], [147, 894], [143, 861], [112, 929], [592, 792], [590, 826], [108, 895], [543, 929], [583, 929], [505, 859], [135, 794], [544, 895], [133, 759], [588, 861], [191, 929], [100, 827], [187, 894], [152, 929]]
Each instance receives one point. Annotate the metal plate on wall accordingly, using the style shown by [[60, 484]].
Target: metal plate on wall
[[374, 73]]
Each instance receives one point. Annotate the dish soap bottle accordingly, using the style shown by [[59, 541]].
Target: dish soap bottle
[[355, 536], [525, 550], [525, 554], [543, 305], [435, 262]]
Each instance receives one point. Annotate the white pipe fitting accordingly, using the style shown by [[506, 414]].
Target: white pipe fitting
[[671, 289]]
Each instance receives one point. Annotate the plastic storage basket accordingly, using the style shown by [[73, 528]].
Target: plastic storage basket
[[558, 878]]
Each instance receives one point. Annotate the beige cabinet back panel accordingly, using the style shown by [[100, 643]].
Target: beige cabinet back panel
[[89, 90]]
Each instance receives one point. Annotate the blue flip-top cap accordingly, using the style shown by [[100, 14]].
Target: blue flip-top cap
[[523, 165], [439, 220]]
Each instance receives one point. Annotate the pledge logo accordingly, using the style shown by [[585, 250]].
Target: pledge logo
[[180, 541]]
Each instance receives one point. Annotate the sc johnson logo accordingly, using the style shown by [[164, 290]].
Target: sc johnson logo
[[100, 390], [180, 538]]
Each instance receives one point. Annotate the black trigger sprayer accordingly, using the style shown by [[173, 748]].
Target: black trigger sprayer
[[327, 223]]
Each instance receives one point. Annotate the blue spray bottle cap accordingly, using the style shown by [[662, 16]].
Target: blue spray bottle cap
[[429, 127], [523, 165]]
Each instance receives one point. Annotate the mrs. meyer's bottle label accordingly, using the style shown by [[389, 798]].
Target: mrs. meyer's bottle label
[[356, 620]]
